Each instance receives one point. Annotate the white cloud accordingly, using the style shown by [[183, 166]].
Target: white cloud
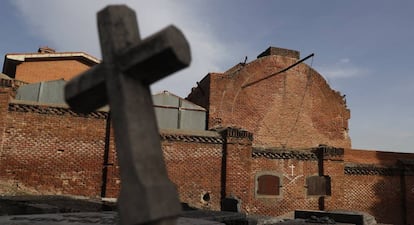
[[71, 26], [344, 68]]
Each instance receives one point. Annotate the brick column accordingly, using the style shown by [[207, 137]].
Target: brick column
[[4, 106], [407, 189], [331, 163], [236, 166]]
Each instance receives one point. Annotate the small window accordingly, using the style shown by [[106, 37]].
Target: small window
[[268, 185], [319, 185]]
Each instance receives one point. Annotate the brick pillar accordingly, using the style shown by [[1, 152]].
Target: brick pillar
[[407, 189], [113, 179], [4, 106], [236, 166], [331, 163]]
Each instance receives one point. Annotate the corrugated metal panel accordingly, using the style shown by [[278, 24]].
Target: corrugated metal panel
[[192, 120], [166, 100], [174, 112], [167, 117], [189, 105], [52, 92], [44, 92], [28, 92]]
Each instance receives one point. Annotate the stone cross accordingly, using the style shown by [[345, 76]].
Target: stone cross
[[128, 67]]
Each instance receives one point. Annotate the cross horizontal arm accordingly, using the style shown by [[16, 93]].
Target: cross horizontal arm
[[87, 92], [168, 46]]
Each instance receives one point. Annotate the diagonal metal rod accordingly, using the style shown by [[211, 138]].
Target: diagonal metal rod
[[274, 74]]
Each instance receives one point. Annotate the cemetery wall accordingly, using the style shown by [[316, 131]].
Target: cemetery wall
[[380, 183], [292, 168], [51, 150], [194, 164], [377, 194]]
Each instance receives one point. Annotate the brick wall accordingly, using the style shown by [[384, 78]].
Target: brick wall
[[194, 163], [237, 166], [293, 109], [378, 195], [51, 150], [381, 184], [111, 182], [37, 71], [293, 167], [407, 186]]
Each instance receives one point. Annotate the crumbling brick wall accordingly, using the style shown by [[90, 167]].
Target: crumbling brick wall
[[293, 109]]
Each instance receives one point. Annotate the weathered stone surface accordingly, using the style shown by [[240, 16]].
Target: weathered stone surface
[[100, 218]]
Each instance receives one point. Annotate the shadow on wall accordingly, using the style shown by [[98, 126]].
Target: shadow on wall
[[393, 188]]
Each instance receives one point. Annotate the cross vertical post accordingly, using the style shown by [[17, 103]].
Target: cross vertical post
[[129, 66]]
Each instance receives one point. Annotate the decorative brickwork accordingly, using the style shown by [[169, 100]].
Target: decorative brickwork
[[371, 170], [378, 195], [191, 138], [283, 154], [42, 109]]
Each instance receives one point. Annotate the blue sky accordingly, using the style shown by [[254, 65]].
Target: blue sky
[[363, 48]]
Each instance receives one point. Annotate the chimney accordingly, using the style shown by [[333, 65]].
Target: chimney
[[280, 51], [46, 49]]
